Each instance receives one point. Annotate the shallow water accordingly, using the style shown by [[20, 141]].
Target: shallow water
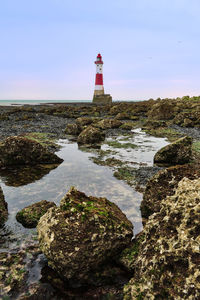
[[143, 153], [76, 170], [79, 171]]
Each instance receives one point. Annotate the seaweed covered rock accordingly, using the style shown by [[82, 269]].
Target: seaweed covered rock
[[90, 135], [167, 264], [178, 152], [82, 233], [73, 129], [122, 116], [163, 184], [82, 121], [17, 150], [162, 110], [109, 123], [3, 208], [30, 215]]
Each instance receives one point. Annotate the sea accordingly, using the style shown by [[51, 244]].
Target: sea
[[38, 102]]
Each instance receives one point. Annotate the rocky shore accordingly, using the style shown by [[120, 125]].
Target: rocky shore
[[85, 244]]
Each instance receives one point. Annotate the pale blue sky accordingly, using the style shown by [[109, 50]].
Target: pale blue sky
[[150, 48]]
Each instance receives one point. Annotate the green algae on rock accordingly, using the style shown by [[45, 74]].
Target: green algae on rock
[[30, 215], [178, 152], [3, 208], [17, 150], [82, 233], [90, 135], [167, 264]]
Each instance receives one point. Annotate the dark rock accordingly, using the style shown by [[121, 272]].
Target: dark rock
[[167, 263], [82, 233], [178, 152], [164, 184], [30, 215], [90, 135], [3, 208], [22, 151]]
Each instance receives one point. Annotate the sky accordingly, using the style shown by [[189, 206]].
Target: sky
[[150, 48]]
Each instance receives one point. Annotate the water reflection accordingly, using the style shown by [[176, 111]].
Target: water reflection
[[22, 175]]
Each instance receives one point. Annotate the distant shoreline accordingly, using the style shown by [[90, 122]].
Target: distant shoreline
[[54, 102]]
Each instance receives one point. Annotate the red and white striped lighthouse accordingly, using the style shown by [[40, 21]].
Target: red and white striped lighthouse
[[99, 89]]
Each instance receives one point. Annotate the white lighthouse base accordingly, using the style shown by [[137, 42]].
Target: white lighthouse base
[[98, 92], [102, 99]]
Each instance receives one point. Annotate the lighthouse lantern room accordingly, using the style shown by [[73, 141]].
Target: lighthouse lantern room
[[99, 89]]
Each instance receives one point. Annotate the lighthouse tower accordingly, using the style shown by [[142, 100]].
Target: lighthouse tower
[[99, 96], [99, 89]]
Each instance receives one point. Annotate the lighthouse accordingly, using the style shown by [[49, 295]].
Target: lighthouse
[[99, 96], [99, 89]]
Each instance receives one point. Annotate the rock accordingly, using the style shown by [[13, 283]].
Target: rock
[[122, 116], [73, 129], [40, 291], [82, 121], [167, 264], [162, 110], [3, 208], [82, 233], [164, 184], [90, 135], [127, 126], [30, 215], [190, 118], [108, 124], [23, 151], [178, 152], [154, 124]]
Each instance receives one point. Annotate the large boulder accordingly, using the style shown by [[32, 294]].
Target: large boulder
[[90, 135], [163, 184], [23, 151], [167, 262], [162, 110], [82, 233], [108, 124], [176, 153], [3, 208], [30, 215]]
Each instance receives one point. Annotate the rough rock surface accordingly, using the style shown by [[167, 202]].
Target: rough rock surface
[[109, 123], [162, 110], [30, 215], [3, 208], [90, 135], [167, 264], [178, 152], [22, 151], [82, 121], [164, 184], [73, 129], [82, 233]]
